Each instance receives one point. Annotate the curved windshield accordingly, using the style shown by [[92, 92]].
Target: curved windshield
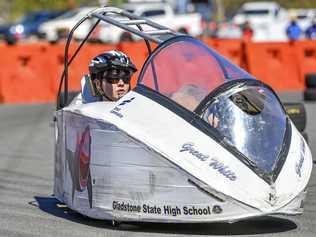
[[186, 71], [252, 120], [247, 115]]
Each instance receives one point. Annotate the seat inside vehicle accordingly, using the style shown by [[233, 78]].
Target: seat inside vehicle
[[88, 92]]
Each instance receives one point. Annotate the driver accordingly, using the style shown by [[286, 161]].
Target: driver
[[110, 74]]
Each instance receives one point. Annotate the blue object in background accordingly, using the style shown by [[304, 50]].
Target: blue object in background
[[293, 31], [310, 32], [28, 25]]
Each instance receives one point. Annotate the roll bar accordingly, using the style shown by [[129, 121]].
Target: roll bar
[[122, 19]]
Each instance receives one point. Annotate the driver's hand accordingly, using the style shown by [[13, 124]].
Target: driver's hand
[[213, 120]]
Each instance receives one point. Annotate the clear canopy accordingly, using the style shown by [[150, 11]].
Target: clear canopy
[[248, 115], [186, 71], [252, 120]]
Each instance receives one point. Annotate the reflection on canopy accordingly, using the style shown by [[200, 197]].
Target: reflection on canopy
[[253, 121], [186, 71], [242, 113]]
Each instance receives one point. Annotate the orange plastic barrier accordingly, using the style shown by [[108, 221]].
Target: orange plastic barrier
[[30, 73], [306, 54], [55, 57], [23, 74], [232, 49], [138, 53], [275, 64], [79, 65]]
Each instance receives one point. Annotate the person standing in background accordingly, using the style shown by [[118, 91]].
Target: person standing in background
[[293, 30], [247, 31], [310, 32]]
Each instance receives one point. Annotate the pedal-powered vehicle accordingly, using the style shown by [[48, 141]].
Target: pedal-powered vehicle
[[197, 140]]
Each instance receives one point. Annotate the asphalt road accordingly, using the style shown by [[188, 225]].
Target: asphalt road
[[26, 180]]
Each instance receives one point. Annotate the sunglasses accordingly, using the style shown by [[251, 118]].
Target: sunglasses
[[116, 80], [113, 76]]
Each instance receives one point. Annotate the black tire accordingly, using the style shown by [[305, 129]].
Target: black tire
[[310, 80], [305, 135], [297, 113], [71, 96], [310, 94]]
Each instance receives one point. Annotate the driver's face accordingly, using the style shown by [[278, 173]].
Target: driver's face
[[115, 90]]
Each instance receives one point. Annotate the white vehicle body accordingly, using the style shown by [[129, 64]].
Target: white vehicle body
[[268, 20], [161, 13], [156, 154], [65, 23]]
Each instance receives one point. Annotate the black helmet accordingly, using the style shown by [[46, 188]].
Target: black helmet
[[110, 60]]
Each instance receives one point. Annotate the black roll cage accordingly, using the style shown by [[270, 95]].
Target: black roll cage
[[110, 15]]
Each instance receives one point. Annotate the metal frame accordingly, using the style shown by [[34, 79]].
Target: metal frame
[[110, 15], [106, 14]]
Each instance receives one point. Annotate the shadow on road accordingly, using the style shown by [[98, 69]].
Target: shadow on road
[[247, 227]]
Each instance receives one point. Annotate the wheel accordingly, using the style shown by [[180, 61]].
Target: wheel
[[310, 80], [297, 113], [310, 94]]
